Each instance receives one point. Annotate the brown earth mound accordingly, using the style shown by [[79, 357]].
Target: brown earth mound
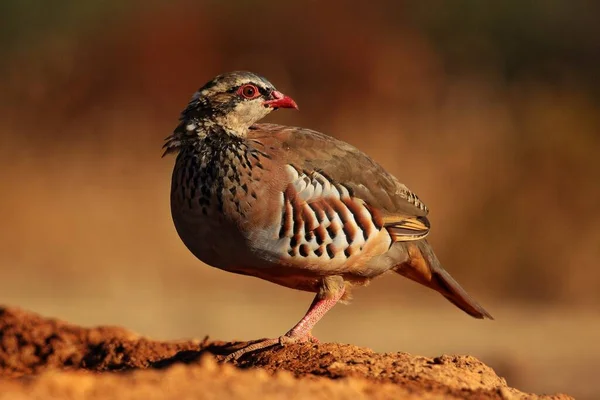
[[46, 358]]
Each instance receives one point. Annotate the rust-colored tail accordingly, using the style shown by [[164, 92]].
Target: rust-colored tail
[[422, 266]]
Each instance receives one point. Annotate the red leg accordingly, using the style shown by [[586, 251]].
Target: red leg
[[300, 333]]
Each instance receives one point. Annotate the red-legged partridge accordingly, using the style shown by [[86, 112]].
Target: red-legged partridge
[[291, 205]]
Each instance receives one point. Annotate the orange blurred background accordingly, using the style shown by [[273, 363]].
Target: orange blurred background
[[490, 111]]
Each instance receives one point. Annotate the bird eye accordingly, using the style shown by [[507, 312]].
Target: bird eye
[[249, 91]]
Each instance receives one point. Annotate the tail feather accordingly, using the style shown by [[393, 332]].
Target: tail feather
[[422, 266]]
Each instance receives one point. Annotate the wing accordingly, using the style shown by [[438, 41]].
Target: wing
[[337, 199]]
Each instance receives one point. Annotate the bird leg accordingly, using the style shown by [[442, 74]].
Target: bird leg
[[300, 333]]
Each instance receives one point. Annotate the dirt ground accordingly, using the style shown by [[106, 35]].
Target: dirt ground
[[46, 358]]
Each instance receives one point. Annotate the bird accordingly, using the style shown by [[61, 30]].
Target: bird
[[293, 206]]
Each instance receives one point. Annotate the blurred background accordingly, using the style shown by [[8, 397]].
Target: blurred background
[[490, 111]]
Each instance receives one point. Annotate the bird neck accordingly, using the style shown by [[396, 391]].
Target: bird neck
[[195, 132]]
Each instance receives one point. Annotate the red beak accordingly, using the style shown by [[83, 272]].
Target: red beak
[[280, 100]]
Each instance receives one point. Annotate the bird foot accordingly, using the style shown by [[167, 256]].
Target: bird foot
[[266, 343]]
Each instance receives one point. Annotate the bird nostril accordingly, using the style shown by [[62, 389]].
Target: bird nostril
[[276, 95]]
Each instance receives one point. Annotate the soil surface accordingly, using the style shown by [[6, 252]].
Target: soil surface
[[47, 358]]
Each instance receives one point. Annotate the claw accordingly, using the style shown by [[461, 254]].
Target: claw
[[266, 343], [260, 345]]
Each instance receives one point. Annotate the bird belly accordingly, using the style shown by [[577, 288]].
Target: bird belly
[[213, 241]]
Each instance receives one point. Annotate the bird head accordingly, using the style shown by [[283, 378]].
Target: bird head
[[235, 101]]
